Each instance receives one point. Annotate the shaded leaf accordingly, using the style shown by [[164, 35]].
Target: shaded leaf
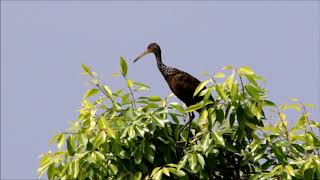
[[124, 66]]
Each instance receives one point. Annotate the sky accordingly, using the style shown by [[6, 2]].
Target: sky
[[43, 45]]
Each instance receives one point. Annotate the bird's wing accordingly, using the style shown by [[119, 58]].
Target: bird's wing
[[183, 86]]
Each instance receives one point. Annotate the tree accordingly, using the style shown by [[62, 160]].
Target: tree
[[243, 135]]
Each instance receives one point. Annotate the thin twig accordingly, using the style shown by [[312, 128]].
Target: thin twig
[[304, 113], [286, 132], [133, 104], [242, 87]]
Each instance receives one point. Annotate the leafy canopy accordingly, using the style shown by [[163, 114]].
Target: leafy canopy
[[119, 137]]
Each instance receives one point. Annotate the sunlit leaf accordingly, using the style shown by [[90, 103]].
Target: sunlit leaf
[[86, 69], [203, 116], [107, 90], [60, 141], [221, 92], [165, 171], [219, 75], [253, 92], [201, 160], [227, 67], [245, 70], [157, 121], [195, 107], [229, 81], [200, 87], [154, 98], [113, 168], [158, 175], [91, 92], [218, 138], [130, 83], [192, 161], [294, 99]]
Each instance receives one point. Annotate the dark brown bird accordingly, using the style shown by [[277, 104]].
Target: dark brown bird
[[181, 83]]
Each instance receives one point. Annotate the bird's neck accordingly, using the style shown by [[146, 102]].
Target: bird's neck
[[165, 70], [161, 66]]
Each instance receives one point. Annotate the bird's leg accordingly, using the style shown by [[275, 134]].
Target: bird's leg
[[191, 117]]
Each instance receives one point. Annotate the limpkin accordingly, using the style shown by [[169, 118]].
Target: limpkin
[[181, 83]]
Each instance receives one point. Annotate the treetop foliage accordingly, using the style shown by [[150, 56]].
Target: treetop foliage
[[242, 135]]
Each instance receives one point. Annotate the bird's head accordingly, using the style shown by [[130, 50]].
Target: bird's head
[[152, 48]]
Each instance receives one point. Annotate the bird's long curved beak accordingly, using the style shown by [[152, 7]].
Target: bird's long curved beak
[[141, 55]]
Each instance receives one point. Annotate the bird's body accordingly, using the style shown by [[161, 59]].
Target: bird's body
[[181, 83]]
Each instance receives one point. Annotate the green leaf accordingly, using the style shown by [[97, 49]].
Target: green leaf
[[229, 81], [245, 70], [250, 125], [227, 67], [75, 168], [155, 170], [141, 87], [100, 155], [157, 176], [252, 80], [316, 163], [55, 137], [107, 90], [149, 153], [206, 143], [124, 66], [234, 91], [217, 137], [137, 176], [83, 139], [60, 141], [219, 75], [294, 99], [253, 92], [131, 132], [165, 171], [200, 87], [91, 92], [201, 161], [112, 133], [192, 161], [86, 69], [139, 131], [268, 103], [130, 83], [98, 140], [278, 152], [154, 98], [102, 123], [195, 107], [203, 117], [138, 157], [157, 121], [221, 92], [70, 147], [179, 173], [113, 168], [290, 170]]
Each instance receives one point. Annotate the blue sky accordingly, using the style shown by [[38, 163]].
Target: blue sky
[[43, 45]]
